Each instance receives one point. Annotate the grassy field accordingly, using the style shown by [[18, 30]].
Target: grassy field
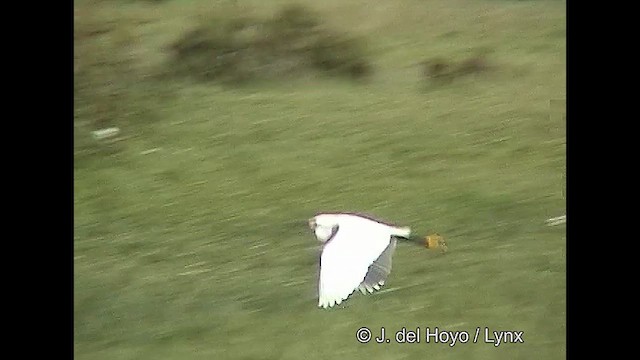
[[190, 226]]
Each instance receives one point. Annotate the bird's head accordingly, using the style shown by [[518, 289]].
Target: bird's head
[[324, 226]]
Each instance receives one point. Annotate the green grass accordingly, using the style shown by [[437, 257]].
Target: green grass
[[199, 250]]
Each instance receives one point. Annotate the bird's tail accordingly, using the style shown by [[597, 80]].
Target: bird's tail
[[403, 232], [433, 241]]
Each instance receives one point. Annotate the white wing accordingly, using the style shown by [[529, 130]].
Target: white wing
[[346, 259], [379, 270]]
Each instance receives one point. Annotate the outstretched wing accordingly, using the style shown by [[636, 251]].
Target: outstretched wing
[[379, 270], [346, 260]]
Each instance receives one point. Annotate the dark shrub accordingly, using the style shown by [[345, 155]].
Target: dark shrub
[[233, 48]]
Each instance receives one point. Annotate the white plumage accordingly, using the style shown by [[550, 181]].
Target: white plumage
[[357, 254]]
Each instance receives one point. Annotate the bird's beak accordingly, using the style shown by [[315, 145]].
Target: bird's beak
[[312, 224]]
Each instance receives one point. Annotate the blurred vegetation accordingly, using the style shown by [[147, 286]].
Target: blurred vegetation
[[117, 81], [440, 70], [232, 47], [189, 224], [113, 84]]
